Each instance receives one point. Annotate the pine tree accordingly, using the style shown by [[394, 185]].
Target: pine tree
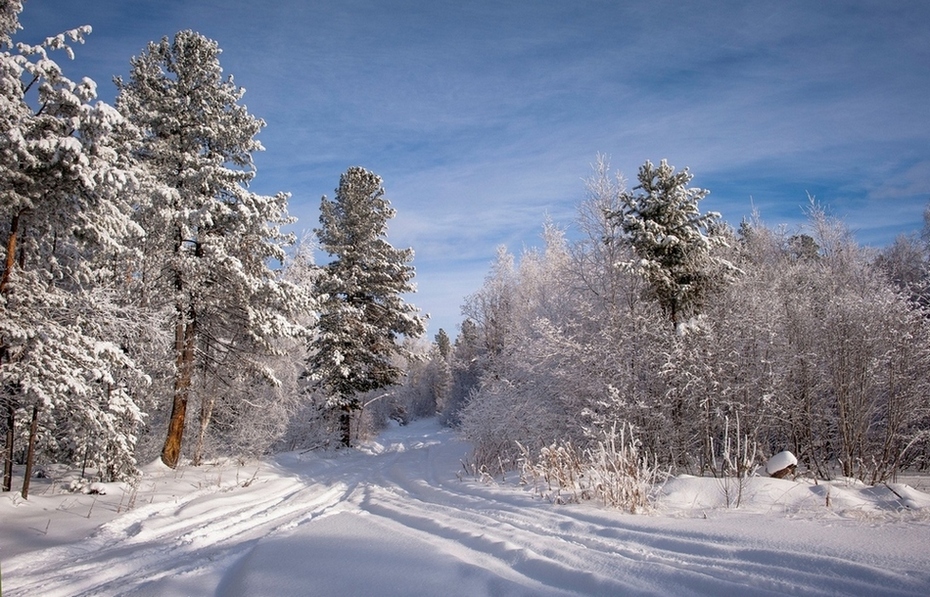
[[672, 239], [363, 314], [443, 344], [209, 239], [62, 180]]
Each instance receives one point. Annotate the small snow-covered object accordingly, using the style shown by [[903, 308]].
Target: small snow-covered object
[[86, 487], [96, 489], [781, 464]]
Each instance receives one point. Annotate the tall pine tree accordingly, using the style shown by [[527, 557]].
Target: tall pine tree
[[363, 313], [209, 239]]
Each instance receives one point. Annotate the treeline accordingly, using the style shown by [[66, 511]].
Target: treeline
[[150, 302], [717, 347]]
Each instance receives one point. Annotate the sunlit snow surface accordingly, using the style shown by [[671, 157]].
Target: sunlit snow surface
[[395, 517]]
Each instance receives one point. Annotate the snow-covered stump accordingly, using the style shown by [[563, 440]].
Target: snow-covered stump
[[781, 465]]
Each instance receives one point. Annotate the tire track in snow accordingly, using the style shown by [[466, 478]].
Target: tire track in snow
[[169, 538], [505, 531], [565, 552]]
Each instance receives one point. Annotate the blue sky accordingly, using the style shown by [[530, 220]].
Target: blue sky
[[484, 117]]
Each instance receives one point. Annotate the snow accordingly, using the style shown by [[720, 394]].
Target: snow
[[397, 516], [780, 461]]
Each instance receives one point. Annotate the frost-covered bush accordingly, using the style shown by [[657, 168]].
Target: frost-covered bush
[[499, 417], [311, 426], [494, 424]]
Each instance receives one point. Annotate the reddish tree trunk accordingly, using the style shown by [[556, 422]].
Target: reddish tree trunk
[[10, 252], [185, 337], [11, 413]]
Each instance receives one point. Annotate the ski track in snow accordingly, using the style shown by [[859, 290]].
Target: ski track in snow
[[393, 518]]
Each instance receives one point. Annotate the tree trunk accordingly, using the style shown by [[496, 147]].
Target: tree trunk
[[10, 252], [206, 412], [10, 435], [345, 422], [185, 337], [31, 451]]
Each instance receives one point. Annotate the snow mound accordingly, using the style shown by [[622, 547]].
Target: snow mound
[[780, 462], [846, 498]]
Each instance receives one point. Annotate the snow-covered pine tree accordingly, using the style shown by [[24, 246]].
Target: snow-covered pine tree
[[672, 239], [439, 371], [62, 215], [209, 239], [363, 313], [443, 344]]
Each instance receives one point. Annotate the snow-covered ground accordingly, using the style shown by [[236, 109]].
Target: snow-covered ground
[[397, 517]]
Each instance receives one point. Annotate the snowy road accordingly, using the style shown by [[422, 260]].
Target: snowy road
[[393, 518]]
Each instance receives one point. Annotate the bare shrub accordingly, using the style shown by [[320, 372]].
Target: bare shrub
[[739, 464], [556, 472], [613, 469]]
